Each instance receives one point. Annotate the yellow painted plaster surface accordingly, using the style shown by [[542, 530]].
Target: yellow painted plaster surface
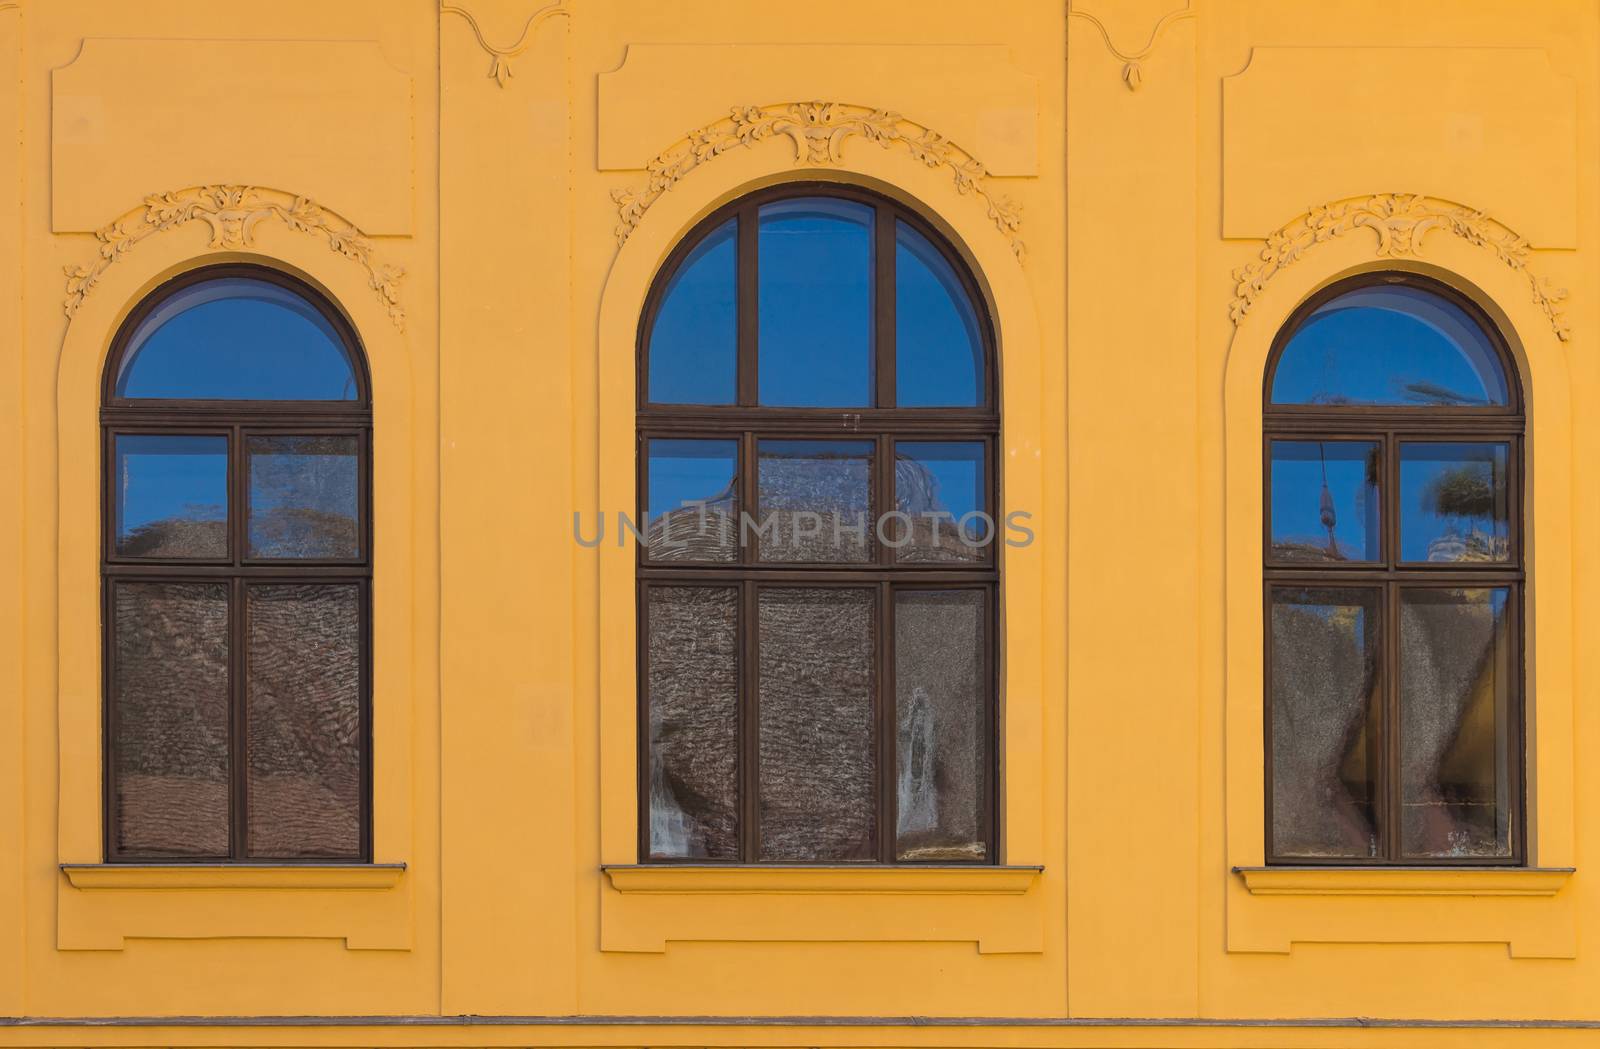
[[496, 161]]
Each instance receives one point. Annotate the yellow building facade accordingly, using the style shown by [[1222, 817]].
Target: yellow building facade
[[1144, 193]]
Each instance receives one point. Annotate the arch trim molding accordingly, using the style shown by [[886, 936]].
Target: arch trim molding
[[818, 132], [1400, 221], [233, 213]]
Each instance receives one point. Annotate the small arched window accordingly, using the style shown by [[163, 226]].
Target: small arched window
[[237, 566], [1394, 571], [818, 581]]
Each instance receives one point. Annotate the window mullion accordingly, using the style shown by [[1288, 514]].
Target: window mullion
[[749, 736], [885, 724], [882, 498], [237, 510], [883, 303], [1391, 776], [237, 669], [747, 305]]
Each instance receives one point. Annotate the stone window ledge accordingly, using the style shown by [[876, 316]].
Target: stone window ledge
[[665, 879], [1404, 881], [233, 875]]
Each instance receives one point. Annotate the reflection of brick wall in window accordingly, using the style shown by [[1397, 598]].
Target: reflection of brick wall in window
[[174, 537], [303, 497], [832, 488], [696, 533], [815, 708], [304, 719], [694, 696], [170, 698], [935, 533]]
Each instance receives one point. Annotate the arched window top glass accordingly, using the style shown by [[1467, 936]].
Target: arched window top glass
[[816, 297], [1395, 345], [236, 335], [938, 338]]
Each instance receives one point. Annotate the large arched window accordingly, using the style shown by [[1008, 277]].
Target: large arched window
[[1394, 581], [237, 565], [817, 586]]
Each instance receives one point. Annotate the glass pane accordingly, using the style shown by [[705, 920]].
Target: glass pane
[[305, 497], [818, 778], [170, 718], [1324, 689], [1457, 673], [694, 340], [303, 697], [1325, 501], [235, 338], [692, 683], [171, 496], [1393, 345], [815, 299], [693, 513], [938, 348], [941, 485], [1455, 502], [815, 500], [941, 724]]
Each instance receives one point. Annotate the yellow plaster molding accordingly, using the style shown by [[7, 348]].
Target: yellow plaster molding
[[807, 881], [500, 64], [232, 876], [1132, 72], [818, 132], [233, 213], [1404, 881], [1399, 221]]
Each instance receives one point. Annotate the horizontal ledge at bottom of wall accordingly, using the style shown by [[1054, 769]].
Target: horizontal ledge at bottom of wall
[[233, 876], [602, 1021], [666, 879], [1404, 881]]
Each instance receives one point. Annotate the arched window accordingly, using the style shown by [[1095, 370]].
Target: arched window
[[817, 586], [1394, 581], [237, 566]]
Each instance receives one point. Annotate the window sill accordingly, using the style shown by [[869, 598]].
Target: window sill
[[233, 876], [1404, 881], [805, 880]]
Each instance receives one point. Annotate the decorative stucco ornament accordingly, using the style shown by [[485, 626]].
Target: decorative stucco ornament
[[233, 213], [500, 57], [818, 132], [1132, 69], [1399, 221]]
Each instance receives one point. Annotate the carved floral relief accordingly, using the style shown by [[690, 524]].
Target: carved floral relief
[[818, 132], [233, 213], [1399, 222]]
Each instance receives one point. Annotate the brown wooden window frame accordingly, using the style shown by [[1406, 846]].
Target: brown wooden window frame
[[1388, 426], [237, 420], [747, 422]]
